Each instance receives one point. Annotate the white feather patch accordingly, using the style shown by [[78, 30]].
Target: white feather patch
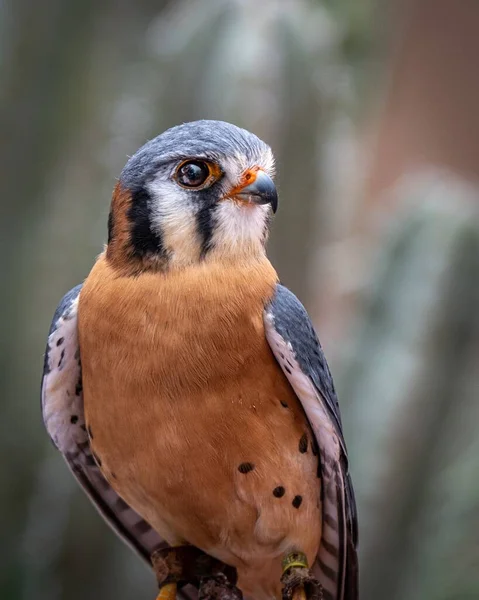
[[173, 216], [62, 399], [239, 229]]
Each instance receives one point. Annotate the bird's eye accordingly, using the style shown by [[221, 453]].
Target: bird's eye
[[194, 174]]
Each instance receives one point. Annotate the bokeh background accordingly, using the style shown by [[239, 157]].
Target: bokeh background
[[372, 109]]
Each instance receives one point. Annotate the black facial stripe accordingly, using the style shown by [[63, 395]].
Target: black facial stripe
[[205, 218], [144, 241], [204, 225]]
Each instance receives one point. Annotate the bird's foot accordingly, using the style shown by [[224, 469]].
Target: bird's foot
[[298, 581], [181, 565]]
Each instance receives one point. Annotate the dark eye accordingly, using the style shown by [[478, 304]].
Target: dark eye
[[193, 173]]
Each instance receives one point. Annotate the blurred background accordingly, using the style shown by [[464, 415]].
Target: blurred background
[[372, 109]]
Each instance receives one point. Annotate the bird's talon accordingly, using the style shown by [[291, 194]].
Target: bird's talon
[[167, 592], [188, 565]]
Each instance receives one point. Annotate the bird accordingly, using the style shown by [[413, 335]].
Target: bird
[[187, 389]]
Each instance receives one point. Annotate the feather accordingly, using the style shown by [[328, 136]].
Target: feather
[[296, 347]]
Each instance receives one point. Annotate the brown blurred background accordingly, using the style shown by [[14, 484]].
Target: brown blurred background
[[372, 109]]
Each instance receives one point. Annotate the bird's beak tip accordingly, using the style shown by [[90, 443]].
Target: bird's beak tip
[[261, 191]]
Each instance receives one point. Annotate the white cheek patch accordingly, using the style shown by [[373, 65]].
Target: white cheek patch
[[239, 228], [173, 216]]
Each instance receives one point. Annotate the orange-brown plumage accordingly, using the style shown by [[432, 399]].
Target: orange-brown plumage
[[180, 389]]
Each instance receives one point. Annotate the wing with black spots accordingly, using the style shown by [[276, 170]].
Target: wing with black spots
[[296, 347], [63, 415]]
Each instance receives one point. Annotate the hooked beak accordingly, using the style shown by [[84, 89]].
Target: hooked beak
[[261, 191]]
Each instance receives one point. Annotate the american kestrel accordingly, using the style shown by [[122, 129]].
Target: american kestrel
[[187, 389]]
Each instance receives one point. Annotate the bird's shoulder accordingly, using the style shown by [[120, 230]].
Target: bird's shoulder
[[288, 318]]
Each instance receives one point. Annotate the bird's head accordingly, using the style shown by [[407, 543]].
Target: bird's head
[[201, 191]]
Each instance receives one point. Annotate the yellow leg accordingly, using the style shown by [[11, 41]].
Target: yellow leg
[[298, 560], [299, 593], [295, 559], [168, 592]]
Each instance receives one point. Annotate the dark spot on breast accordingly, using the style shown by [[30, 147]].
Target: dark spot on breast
[[62, 356], [303, 443], [60, 341], [74, 419], [78, 388], [297, 501], [84, 428], [314, 447], [287, 369], [246, 467], [205, 227], [283, 403], [90, 432], [278, 492]]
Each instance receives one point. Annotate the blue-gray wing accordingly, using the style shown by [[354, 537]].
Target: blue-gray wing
[[63, 415], [296, 347]]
